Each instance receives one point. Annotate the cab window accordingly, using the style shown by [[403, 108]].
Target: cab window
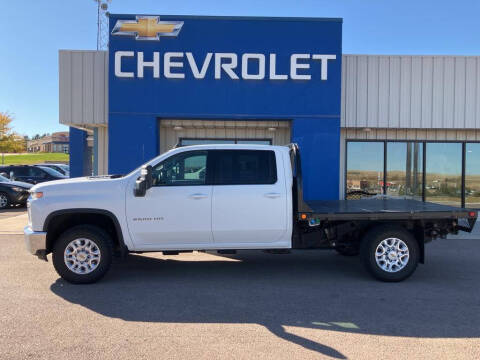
[[189, 168], [245, 167]]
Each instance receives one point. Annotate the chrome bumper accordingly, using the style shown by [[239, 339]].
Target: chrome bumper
[[36, 242]]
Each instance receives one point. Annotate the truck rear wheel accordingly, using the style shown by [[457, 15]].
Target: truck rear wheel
[[390, 253], [83, 254]]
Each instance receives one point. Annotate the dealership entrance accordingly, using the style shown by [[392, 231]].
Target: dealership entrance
[[174, 132]]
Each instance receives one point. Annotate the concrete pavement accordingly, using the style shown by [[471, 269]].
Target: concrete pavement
[[305, 305], [12, 221]]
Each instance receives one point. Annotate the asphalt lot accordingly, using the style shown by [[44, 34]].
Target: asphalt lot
[[12, 212], [303, 305]]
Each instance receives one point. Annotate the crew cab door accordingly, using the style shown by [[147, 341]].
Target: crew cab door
[[249, 199], [175, 212]]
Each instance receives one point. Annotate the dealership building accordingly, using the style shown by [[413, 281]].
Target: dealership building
[[399, 125]]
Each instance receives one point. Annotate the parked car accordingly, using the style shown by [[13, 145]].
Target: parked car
[[30, 173], [61, 168], [13, 192], [246, 197]]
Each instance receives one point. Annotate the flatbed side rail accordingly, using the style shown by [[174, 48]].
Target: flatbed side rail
[[465, 219], [383, 216]]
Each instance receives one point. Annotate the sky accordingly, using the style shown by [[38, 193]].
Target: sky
[[32, 32]]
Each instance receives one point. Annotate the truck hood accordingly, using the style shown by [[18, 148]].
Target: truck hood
[[78, 184]]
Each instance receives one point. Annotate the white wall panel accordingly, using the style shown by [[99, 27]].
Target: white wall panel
[[448, 93], [470, 91], [411, 134], [421, 92], [362, 90], [350, 92], [83, 87], [416, 91], [459, 100], [372, 91], [394, 93], [477, 101], [405, 91], [383, 91], [426, 100]]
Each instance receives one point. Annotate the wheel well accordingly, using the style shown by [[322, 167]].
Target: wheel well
[[352, 232], [57, 224]]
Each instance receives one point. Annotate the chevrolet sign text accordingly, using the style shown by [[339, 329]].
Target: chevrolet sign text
[[225, 65]]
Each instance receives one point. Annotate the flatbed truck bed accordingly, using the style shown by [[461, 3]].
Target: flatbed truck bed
[[378, 209]]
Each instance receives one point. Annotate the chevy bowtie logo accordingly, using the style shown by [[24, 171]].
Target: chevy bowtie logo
[[147, 28]]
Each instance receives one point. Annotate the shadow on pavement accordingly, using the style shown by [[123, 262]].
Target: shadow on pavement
[[316, 290]]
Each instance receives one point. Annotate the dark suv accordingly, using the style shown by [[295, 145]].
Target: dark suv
[[29, 173]]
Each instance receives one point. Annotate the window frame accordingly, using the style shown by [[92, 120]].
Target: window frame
[[214, 168], [208, 174], [424, 143]]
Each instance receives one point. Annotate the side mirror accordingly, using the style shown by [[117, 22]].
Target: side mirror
[[144, 182], [4, 174]]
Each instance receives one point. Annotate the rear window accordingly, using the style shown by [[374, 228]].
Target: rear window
[[245, 167]]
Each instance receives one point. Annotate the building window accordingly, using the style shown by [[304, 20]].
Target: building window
[[441, 172], [405, 169], [444, 173], [472, 175], [365, 169]]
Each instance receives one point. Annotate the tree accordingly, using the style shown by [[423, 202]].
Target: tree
[[9, 141], [5, 120]]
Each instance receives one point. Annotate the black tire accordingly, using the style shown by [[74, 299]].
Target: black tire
[[348, 251], [3, 204], [372, 240], [101, 239]]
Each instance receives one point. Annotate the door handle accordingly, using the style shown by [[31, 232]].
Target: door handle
[[272, 195], [197, 196]]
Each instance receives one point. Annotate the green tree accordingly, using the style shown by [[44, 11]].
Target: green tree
[[9, 141]]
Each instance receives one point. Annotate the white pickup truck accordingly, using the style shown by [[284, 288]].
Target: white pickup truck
[[224, 198]]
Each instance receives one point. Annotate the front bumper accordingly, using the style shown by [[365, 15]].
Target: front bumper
[[36, 242]]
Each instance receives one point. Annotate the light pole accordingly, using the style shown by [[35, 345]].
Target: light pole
[[102, 24]]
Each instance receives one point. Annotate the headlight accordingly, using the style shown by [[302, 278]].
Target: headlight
[[18, 189], [36, 194]]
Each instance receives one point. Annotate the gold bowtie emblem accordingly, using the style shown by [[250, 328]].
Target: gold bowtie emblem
[[147, 28]]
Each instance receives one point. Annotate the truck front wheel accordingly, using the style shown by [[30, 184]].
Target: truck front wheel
[[390, 253], [83, 254]]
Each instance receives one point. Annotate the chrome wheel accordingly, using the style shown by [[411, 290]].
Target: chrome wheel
[[3, 201], [392, 255], [82, 256]]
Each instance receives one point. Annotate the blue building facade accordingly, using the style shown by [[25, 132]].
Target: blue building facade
[[228, 68]]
